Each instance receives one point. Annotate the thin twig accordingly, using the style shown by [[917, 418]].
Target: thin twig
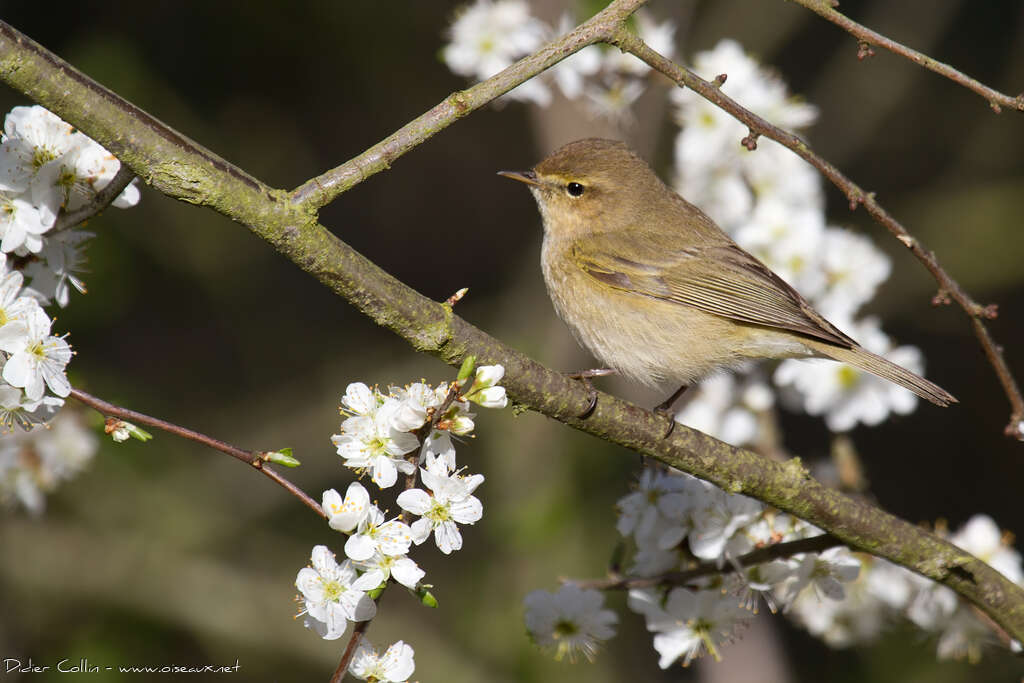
[[346, 658], [866, 38], [326, 187], [254, 458], [102, 200], [949, 289], [768, 553]]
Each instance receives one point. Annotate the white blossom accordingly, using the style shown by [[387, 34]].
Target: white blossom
[[485, 390], [58, 266], [438, 446], [570, 621], [726, 408], [614, 99], [717, 518], [853, 268], [414, 405], [374, 534], [33, 138], [488, 36], [333, 594], [395, 665], [18, 409], [345, 515], [690, 623], [55, 165], [21, 225], [787, 239], [449, 504], [15, 308], [378, 567], [359, 399], [33, 463], [657, 509], [370, 442], [825, 573], [37, 357]]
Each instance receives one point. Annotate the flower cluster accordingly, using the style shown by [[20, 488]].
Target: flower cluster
[[489, 35], [34, 462], [885, 592], [675, 520], [409, 430], [46, 168]]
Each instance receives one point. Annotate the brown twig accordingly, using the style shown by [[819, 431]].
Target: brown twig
[[254, 458], [866, 38], [948, 287], [768, 553], [353, 642], [326, 187], [102, 200]]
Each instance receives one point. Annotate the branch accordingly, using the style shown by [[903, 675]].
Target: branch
[[346, 658], [867, 38], [326, 187], [948, 287], [102, 200], [253, 458], [184, 170], [775, 551]]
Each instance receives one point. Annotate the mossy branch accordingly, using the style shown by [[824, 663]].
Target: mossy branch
[[182, 169]]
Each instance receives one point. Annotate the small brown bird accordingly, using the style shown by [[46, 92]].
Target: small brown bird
[[657, 291]]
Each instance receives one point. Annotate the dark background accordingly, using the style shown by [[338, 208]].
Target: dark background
[[172, 554]]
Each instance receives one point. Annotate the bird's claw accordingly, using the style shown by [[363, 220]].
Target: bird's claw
[[584, 377], [666, 412], [665, 409]]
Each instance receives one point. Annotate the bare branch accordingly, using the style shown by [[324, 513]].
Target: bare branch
[[326, 187], [948, 287], [254, 458], [768, 553], [102, 200], [346, 658], [866, 38]]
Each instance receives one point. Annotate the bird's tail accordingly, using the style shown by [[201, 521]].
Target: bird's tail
[[876, 365]]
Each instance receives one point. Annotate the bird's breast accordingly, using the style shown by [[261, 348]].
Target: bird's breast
[[643, 338]]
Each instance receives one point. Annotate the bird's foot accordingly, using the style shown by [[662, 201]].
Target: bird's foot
[[584, 376], [665, 409]]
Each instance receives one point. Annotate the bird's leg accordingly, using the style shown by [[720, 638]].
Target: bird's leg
[[665, 408], [584, 376]]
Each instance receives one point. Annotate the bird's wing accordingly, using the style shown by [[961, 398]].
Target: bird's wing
[[716, 277]]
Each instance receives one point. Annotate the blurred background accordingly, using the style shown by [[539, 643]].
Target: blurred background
[[172, 554]]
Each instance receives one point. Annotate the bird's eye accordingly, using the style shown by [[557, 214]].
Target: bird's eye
[[574, 189]]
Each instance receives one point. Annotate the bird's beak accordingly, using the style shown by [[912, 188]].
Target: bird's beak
[[528, 177]]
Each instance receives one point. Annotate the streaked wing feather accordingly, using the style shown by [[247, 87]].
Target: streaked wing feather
[[718, 278]]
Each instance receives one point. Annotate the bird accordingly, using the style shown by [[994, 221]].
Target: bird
[[657, 292]]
